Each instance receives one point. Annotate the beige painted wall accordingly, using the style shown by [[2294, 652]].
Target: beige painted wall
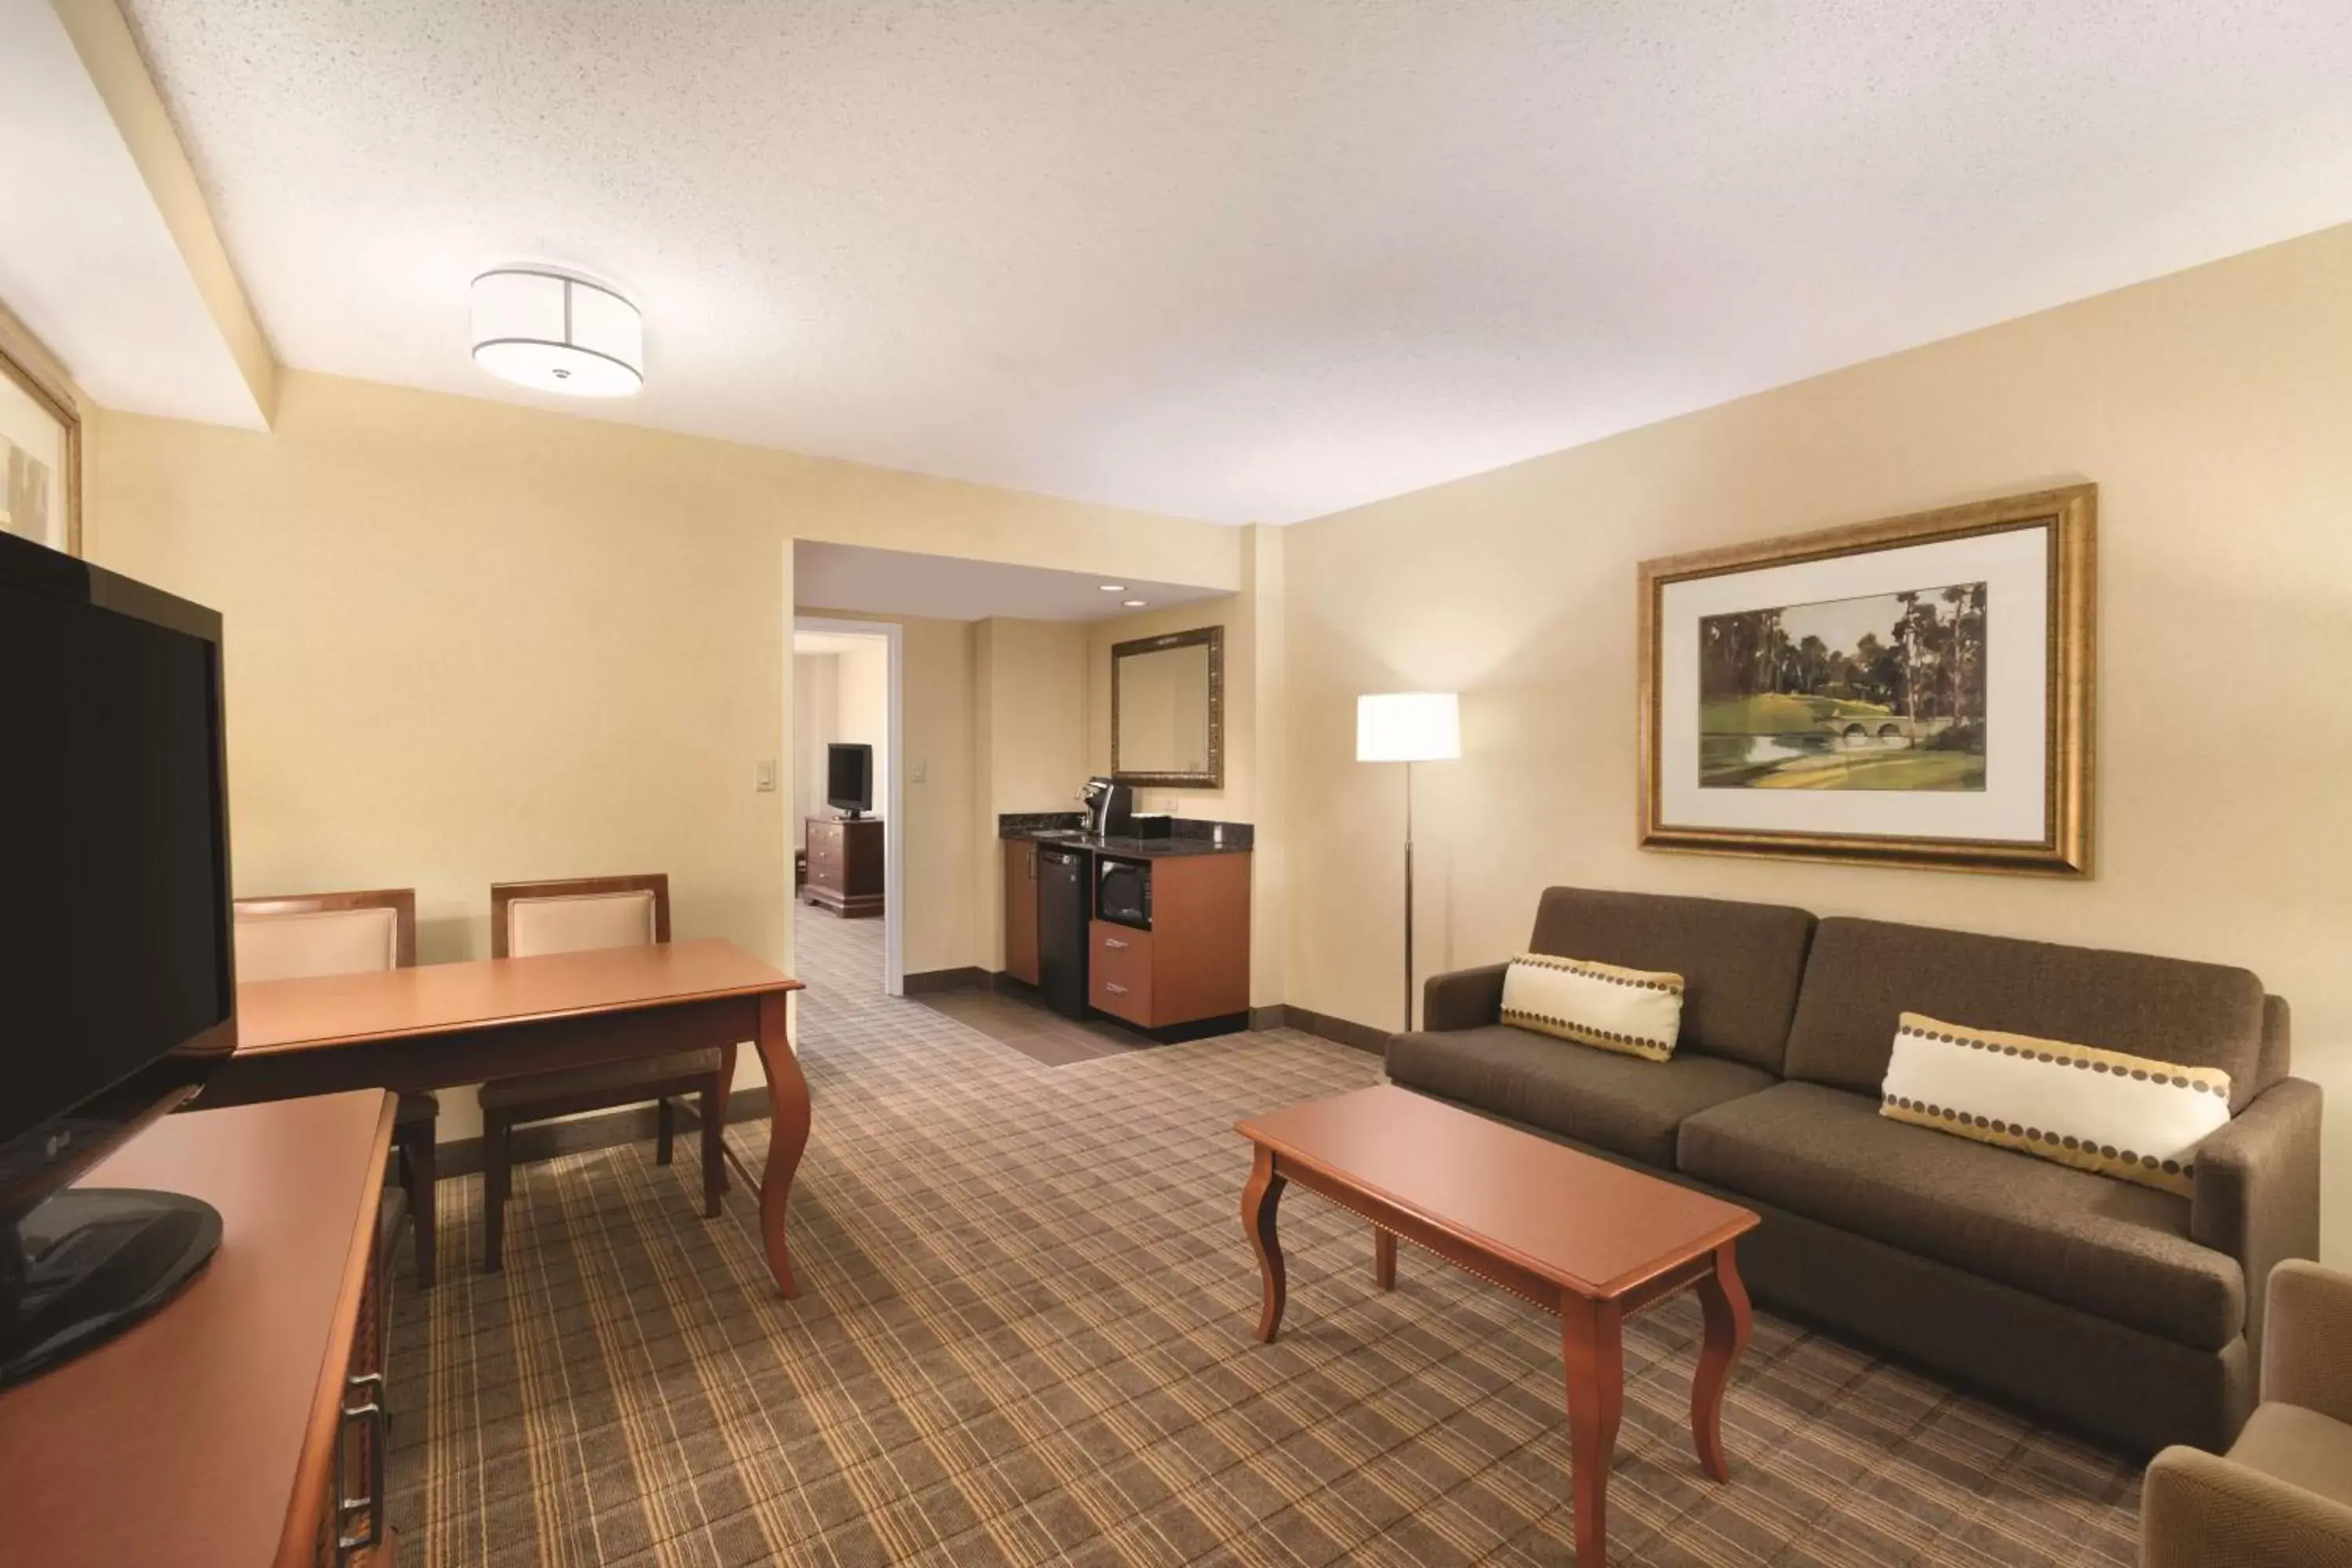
[[935, 848], [1236, 802], [816, 694], [845, 697], [2213, 409], [468, 641], [1257, 731], [862, 708], [1029, 694]]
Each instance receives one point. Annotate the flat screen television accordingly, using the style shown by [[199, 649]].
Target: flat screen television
[[116, 966], [849, 778]]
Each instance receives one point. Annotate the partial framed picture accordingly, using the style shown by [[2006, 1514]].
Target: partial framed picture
[[1915, 692], [40, 462]]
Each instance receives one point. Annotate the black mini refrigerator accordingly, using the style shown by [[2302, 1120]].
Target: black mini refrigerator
[[1063, 908]]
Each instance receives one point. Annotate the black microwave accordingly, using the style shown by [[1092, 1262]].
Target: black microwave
[[1123, 892]]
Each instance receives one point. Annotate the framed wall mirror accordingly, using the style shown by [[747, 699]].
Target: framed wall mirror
[[1168, 710]]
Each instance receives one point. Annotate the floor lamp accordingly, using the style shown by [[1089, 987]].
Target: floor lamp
[[1408, 726]]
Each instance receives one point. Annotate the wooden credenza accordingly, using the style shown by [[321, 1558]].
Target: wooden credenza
[[845, 865], [224, 1431]]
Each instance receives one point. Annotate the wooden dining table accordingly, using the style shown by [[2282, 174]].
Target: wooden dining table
[[441, 1025]]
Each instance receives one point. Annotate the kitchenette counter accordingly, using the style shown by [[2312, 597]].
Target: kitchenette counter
[[1187, 837], [1151, 929]]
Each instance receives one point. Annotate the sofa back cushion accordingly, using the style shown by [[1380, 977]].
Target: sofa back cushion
[[1740, 963], [1863, 975]]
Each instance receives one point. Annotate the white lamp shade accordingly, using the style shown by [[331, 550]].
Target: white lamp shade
[[557, 334], [1408, 726]]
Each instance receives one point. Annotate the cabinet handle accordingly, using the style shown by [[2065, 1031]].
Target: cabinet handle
[[1114, 987], [1113, 942], [378, 1434]]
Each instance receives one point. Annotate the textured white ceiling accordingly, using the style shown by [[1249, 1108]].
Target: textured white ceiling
[[950, 588], [1228, 259]]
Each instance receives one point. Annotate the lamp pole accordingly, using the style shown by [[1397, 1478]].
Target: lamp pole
[[1408, 726], [1408, 898]]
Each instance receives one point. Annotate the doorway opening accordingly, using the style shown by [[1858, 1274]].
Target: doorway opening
[[849, 805]]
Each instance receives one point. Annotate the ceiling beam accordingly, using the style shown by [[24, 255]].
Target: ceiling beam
[[109, 53]]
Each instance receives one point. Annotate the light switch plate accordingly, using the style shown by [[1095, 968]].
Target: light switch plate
[[764, 775]]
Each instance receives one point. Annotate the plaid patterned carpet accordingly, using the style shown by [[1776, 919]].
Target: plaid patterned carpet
[[1024, 1337]]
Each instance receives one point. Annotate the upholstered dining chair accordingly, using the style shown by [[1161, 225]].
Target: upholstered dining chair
[[528, 919], [302, 934]]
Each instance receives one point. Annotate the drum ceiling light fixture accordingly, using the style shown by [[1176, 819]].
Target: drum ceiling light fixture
[[556, 333]]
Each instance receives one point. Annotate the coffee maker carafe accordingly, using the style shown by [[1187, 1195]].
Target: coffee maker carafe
[[1110, 808]]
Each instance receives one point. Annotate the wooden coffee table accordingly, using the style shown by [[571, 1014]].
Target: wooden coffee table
[[1581, 1237]]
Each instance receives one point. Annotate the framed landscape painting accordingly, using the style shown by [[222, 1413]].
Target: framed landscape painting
[[40, 461], [1915, 691]]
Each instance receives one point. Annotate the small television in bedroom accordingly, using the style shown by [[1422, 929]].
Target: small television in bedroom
[[849, 778], [116, 963]]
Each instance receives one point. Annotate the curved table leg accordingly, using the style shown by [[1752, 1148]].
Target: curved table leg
[[788, 1131], [1593, 1347], [1723, 1299], [1383, 1259], [1260, 1199]]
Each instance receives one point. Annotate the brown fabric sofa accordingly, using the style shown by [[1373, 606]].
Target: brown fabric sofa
[[2114, 1307]]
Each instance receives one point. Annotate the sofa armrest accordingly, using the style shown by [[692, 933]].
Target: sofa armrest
[[2257, 1194], [2197, 1510], [1464, 999], [2307, 1344]]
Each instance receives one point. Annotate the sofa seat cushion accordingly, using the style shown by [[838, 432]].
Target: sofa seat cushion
[[2107, 1247], [1624, 1104], [2299, 1446]]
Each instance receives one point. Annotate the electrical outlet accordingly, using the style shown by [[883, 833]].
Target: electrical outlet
[[765, 778]]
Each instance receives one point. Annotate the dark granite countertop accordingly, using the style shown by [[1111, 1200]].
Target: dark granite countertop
[[1187, 835], [1132, 848]]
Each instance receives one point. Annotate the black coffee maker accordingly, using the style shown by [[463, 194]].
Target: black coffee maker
[[1110, 808]]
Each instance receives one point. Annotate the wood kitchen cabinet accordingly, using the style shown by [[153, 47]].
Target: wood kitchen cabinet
[[1181, 972], [1193, 965], [845, 866], [1021, 909]]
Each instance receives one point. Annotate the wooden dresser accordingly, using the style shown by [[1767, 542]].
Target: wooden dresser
[[210, 1435], [845, 865]]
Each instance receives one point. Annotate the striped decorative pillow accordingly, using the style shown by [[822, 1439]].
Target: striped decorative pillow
[[1630, 1010], [2093, 1110]]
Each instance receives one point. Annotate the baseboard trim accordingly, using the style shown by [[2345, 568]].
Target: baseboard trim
[[630, 1125], [1344, 1031], [970, 977], [1281, 1015]]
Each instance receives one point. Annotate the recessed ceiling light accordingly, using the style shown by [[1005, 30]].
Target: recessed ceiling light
[[1132, 603], [1113, 588], [557, 334]]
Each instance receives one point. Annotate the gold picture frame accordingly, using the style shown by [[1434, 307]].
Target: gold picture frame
[[1913, 749], [37, 400]]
